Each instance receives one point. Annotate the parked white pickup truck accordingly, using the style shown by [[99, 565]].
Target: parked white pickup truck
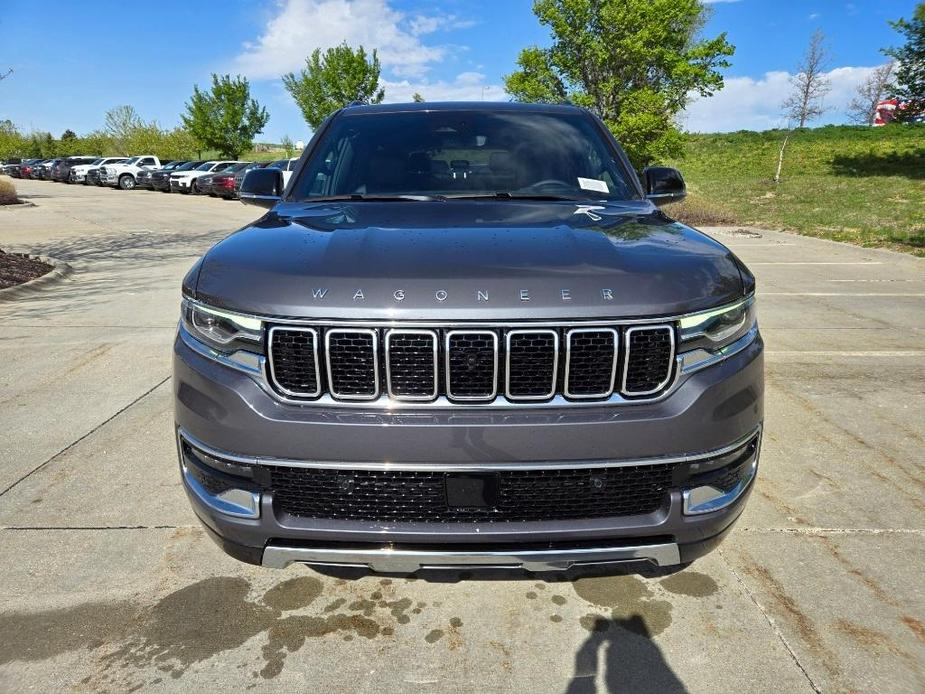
[[78, 173], [122, 175]]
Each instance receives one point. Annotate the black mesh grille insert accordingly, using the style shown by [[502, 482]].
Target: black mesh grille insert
[[591, 362], [531, 364], [471, 359], [411, 364], [527, 495], [352, 363], [649, 355], [292, 361]]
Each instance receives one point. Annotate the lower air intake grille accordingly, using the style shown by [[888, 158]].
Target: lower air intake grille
[[649, 353], [352, 369], [527, 495]]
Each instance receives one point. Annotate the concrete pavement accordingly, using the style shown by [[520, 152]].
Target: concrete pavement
[[107, 582]]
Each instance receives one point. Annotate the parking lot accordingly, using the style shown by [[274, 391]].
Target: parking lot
[[107, 582]]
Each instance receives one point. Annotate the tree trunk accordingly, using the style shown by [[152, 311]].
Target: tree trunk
[[780, 158]]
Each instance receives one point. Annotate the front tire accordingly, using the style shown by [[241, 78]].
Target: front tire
[[194, 188], [126, 181]]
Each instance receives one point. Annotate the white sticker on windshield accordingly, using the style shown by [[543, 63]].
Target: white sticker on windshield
[[593, 184]]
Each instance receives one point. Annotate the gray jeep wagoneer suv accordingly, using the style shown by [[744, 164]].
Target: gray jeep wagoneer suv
[[466, 335]]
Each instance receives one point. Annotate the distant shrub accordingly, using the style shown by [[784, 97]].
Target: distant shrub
[[7, 193]]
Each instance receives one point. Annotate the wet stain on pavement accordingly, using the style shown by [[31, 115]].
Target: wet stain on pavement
[[628, 598], [294, 593], [559, 599], [434, 635], [195, 623], [691, 584], [531, 595], [46, 634], [289, 635], [555, 618]]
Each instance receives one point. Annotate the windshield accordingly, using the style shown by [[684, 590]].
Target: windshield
[[206, 167], [188, 165], [465, 154], [97, 161], [132, 160]]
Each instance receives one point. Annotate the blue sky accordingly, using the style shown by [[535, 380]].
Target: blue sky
[[73, 61]]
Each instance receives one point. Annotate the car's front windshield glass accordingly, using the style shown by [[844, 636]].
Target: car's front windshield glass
[[132, 160], [188, 165], [503, 153], [206, 167], [97, 161]]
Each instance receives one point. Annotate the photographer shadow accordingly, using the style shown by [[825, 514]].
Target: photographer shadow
[[630, 660]]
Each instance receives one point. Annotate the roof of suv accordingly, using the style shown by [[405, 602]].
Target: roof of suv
[[462, 106]]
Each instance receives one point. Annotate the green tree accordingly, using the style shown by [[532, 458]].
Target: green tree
[[334, 79], [288, 146], [909, 87], [226, 118], [119, 124], [635, 63]]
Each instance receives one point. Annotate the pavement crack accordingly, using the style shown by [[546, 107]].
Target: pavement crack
[[89, 433], [770, 620]]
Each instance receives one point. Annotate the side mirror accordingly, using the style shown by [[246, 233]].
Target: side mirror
[[664, 185], [262, 187]]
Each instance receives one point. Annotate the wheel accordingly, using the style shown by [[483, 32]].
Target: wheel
[[126, 181], [194, 188]]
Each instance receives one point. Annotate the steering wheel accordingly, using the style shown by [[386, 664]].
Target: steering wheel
[[547, 182]]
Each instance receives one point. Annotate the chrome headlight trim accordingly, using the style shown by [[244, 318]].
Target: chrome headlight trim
[[224, 331]]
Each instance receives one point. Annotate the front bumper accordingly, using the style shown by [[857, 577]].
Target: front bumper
[[227, 414]]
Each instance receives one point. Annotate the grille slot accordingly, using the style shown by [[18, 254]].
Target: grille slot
[[411, 364], [353, 368], [591, 362], [649, 354], [471, 365], [532, 361], [526, 495], [294, 361]]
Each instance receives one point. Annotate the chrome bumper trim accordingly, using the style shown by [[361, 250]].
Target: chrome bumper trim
[[392, 560], [462, 467]]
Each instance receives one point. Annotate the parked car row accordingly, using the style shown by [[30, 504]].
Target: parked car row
[[219, 178]]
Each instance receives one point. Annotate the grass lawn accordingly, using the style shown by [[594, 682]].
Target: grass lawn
[[855, 184]]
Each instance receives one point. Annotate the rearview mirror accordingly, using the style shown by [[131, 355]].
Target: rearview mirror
[[664, 185], [262, 187]]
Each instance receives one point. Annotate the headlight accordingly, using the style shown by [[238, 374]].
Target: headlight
[[719, 327], [711, 336], [223, 331]]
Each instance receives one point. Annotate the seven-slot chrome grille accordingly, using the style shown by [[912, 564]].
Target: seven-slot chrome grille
[[471, 365]]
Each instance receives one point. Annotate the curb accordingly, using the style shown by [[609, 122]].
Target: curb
[[59, 270]]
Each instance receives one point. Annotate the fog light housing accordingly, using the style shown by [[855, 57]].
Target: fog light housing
[[207, 478], [722, 492]]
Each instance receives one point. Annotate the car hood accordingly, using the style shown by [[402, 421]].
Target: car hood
[[466, 260]]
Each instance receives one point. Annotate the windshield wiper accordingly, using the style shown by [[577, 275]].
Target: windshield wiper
[[516, 196], [368, 197]]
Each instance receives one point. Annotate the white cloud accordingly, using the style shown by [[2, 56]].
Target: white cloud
[[746, 103], [466, 86], [421, 24], [300, 26]]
